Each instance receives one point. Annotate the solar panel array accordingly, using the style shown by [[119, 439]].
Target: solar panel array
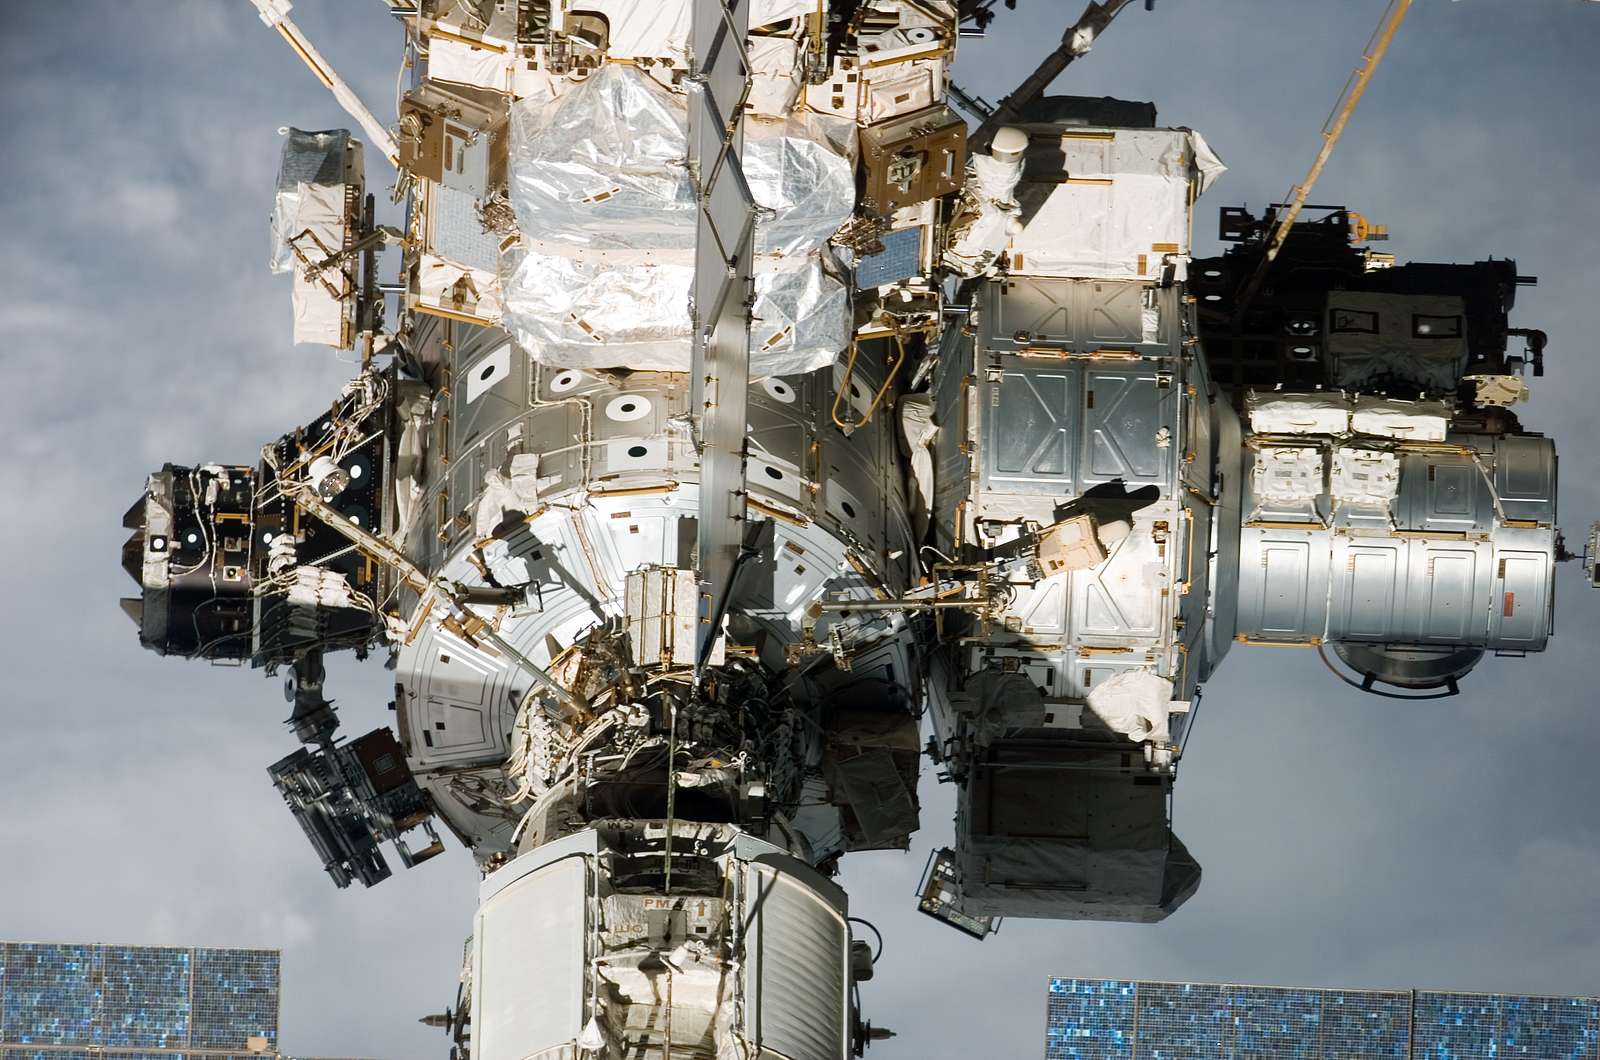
[[900, 259], [134, 1002], [1111, 1019]]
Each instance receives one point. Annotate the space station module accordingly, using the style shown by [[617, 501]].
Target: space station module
[[744, 428]]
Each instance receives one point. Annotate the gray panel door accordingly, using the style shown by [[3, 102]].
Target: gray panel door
[[1113, 313], [1371, 583], [1444, 585], [1525, 478], [1030, 432], [1072, 314], [1519, 619], [1452, 489], [1450, 493], [1122, 414], [1283, 587], [1120, 598], [1031, 310], [1285, 590]]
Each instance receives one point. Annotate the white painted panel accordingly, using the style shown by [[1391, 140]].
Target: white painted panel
[[488, 370], [529, 965]]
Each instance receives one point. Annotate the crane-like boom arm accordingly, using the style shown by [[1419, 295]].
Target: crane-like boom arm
[[275, 13], [1075, 43], [1331, 131]]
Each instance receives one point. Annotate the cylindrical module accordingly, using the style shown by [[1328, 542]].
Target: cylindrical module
[[578, 946]]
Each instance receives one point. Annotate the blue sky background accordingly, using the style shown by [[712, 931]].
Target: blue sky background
[[1346, 840]]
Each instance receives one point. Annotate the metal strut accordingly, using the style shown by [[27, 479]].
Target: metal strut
[[721, 298], [459, 597], [275, 13], [1075, 43], [1332, 129]]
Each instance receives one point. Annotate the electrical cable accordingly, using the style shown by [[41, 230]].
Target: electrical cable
[[869, 925]]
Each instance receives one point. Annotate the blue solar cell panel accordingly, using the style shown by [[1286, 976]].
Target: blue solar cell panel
[[900, 259], [1469, 1026], [145, 997], [1089, 1020], [1274, 1024], [235, 998], [50, 994], [1182, 1021], [1561, 1028], [1455, 1026], [1365, 1025], [126, 1002]]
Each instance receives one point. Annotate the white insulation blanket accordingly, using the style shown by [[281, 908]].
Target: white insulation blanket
[[608, 219], [1135, 703]]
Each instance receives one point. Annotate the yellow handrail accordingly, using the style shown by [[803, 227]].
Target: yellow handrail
[[890, 371], [1343, 108]]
